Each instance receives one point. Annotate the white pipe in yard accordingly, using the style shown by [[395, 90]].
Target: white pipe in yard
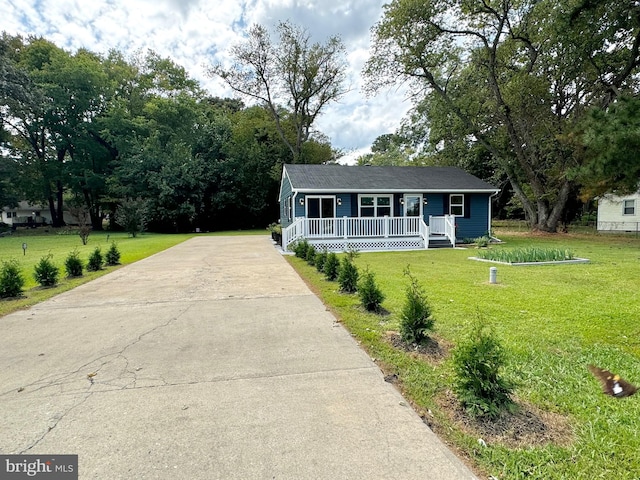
[[493, 275]]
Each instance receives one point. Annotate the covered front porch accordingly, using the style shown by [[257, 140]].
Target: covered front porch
[[371, 233]]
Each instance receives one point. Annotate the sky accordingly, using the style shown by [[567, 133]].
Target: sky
[[197, 33]]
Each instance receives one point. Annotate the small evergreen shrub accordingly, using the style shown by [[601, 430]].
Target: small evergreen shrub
[[348, 275], [300, 249], [478, 381], [112, 256], [95, 260], [310, 255], [321, 259], [370, 294], [45, 272], [331, 267], [73, 265], [11, 280], [415, 317]]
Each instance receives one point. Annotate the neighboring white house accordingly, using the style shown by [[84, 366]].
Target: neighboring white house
[[619, 213], [26, 214]]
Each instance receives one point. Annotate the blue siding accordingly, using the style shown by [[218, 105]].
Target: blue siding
[[474, 224], [300, 209], [477, 223], [285, 193], [434, 206]]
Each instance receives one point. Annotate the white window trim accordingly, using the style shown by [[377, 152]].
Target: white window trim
[[375, 205], [421, 202], [456, 204], [624, 207], [320, 197]]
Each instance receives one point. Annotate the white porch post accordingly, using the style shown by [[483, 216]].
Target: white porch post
[[345, 223], [386, 226]]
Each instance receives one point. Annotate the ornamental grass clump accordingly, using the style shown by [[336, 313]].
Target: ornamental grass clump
[[371, 297], [479, 385], [45, 272], [11, 279], [415, 318], [73, 265], [527, 255]]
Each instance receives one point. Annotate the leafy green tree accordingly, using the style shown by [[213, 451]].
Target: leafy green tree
[[612, 142], [513, 77], [131, 215], [301, 76]]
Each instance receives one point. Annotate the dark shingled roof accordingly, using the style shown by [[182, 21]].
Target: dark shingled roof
[[354, 179]]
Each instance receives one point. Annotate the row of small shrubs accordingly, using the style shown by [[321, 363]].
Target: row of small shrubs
[[477, 361], [415, 317], [46, 273]]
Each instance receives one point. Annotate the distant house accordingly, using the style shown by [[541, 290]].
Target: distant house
[[26, 214], [382, 208], [619, 213]]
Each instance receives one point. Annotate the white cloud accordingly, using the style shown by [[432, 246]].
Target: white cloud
[[196, 33]]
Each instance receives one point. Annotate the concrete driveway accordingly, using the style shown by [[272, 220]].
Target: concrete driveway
[[209, 360]]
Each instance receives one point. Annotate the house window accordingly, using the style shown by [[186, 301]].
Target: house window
[[456, 205], [629, 207], [375, 205]]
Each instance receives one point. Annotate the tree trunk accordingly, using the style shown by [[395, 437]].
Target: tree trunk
[[59, 194]]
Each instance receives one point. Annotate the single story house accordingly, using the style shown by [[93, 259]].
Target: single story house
[[619, 213], [382, 208], [27, 215]]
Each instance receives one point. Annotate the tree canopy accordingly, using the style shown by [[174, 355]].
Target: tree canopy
[[104, 132], [516, 78], [294, 79]]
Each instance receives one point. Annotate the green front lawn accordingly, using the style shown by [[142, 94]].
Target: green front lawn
[[60, 242], [553, 321]]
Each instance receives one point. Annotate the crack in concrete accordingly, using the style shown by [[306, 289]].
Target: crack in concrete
[[60, 380]]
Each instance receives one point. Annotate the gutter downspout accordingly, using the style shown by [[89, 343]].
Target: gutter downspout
[[491, 213]]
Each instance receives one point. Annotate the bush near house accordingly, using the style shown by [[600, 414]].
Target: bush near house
[[11, 280], [73, 264], [95, 260], [415, 317], [331, 267], [45, 272], [371, 297], [112, 256], [479, 382], [348, 275]]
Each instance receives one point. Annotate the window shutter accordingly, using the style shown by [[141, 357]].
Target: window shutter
[[445, 203], [467, 206]]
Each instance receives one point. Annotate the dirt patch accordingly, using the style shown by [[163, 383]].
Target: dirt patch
[[433, 349], [528, 426]]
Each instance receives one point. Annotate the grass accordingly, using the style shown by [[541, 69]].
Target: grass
[[552, 320], [60, 243]]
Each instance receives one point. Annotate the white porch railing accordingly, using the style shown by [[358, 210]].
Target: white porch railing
[[348, 228], [293, 232], [445, 225]]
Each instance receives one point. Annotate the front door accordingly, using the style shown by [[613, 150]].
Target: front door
[[413, 210], [322, 210]]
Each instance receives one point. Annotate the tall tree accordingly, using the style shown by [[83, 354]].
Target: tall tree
[[515, 76], [301, 76]]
